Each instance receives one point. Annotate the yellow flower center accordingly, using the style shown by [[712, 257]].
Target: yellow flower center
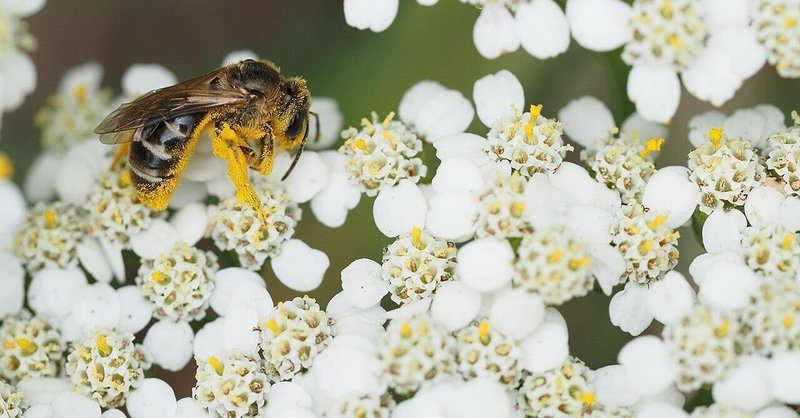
[[215, 364], [483, 332], [715, 135], [416, 238], [555, 256], [27, 346], [723, 329], [788, 241], [405, 330], [588, 398], [657, 221], [6, 167], [273, 326], [102, 346], [50, 219]]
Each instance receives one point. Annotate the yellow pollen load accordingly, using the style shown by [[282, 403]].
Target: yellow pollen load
[[416, 238], [27, 346], [788, 321], [723, 329], [50, 219], [579, 263], [159, 277], [273, 326], [80, 93], [387, 120], [715, 135], [6, 167], [651, 145], [788, 241], [405, 330], [657, 221], [215, 364], [483, 332], [102, 345], [588, 398], [555, 256]]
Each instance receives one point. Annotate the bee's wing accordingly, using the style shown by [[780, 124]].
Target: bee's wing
[[192, 96]]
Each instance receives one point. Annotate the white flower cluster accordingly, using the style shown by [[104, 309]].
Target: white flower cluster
[[17, 72]]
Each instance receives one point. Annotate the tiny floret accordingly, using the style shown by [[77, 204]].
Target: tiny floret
[[482, 351], [665, 32], [10, 400], [783, 161], [777, 25], [30, 348], [563, 391], [49, 236], [501, 211], [115, 211], [231, 385]]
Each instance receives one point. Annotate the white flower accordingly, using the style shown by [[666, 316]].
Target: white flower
[[434, 111], [32, 348], [400, 208], [509, 306], [647, 243], [784, 158], [539, 26], [338, 196], [501, 212], [769, 320], [483, 352], [154, 398], [778, 31], [362, 284], [369, 14], [49, 237], [142, 78], [485, 264], [169, 344], [231, 385], [745, 385], [496, 96], [330, 120], [12, 284], [547, 346], [455, 305], [347, 319], [541, 396], [416, 264], [367, 405], [11, 400], [17, 73], [662, 38], [670, 191], [299, 266]]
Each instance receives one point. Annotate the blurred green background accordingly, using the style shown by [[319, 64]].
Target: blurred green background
[[364, 71]]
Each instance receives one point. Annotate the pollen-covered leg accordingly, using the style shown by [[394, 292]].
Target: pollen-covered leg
[[225, 145], [120, 155]]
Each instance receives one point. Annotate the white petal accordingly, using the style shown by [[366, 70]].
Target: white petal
[[507, 309], [485, 264], [599, 25], [608, 265], [741, 47], [777, 411], [711, 77], [347, 368], [463, 145], [700, 124], [655, 90], [70, 405], [451, 216], [239, 330], [155, 240], [612, 387], [113, 413], [545, 204], [669, 298], [745, 385], [542, 28], [25, 8], [455, 305], [728, 286], [93, 259], [170, 344], [40, 178], [12, 285], [400, 208], [587, 120], [141, 78], [204, 165], [153, 399], [285, 394], [362, 284], [732, 14], [348, 319], [19, 67], [188, 192], [307, 179], [299, 266], [13, 210], [97, 307], [189, 408], [434, 110], [458, 175], [575, 184], [749, 124], [774, 117], [482, 397], [790, 213], [493, 33], [670, 191], [722, 230], [375, 15], [636, 124], [647, 365], [763, 206], [253, 296], [208, 340], [190, 222], [79, 170], [42, 390], [136, 310], [589, 223], [548, 346], [497, 95], [240, 55], [228, 281], [628, 309], [331, 121], [782, 374], [661, 410], [704, 263], [410, 310], [335, 200], [52, 291], [113, 253]]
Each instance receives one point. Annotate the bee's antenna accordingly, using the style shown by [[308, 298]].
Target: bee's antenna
[[316, 121], [299, 151]]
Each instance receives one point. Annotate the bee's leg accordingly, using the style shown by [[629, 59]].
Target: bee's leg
[[267, 159], [225, 144], [120, 155]]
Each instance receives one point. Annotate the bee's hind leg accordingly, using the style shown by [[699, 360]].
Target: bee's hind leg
[[225, 145], [120, 155]]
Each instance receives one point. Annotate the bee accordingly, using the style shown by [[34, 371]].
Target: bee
[[248, 108]]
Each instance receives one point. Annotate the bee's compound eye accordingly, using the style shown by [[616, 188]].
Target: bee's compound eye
[[286, 99], [296, 125]]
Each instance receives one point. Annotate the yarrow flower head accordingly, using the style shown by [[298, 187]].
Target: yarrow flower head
[[783, 161], [293, 334], [501, 210], [10, 400], [381, 154], [50, 236], [703, 344], [237, 227], [554, 264], [625, 163], [777, 25], [179, 282], [367, 406], [19, 73], [530, 142], [566, 389], [416, 264], [726, 170], [770, 323], [114, 210], [231, 385], [482, 351], [772, 251], [647, 243], [107, 366], [415, 352], [31, 348]]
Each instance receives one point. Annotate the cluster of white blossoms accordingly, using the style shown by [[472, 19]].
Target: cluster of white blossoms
[[489, 235], [17, 72]]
